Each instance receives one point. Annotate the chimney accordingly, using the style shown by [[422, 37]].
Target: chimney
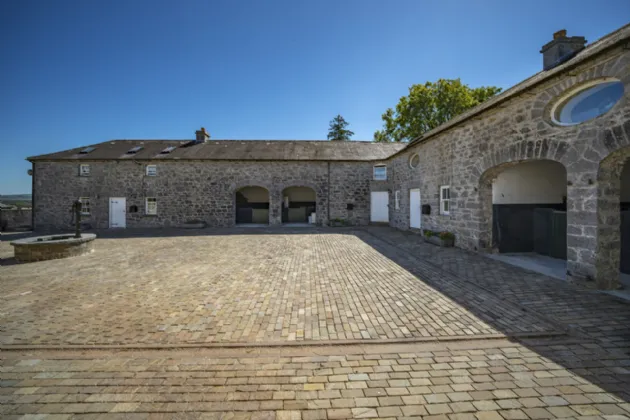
[[561, 49], [201, 136]]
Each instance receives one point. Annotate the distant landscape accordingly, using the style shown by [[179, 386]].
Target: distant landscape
[[18, 200]]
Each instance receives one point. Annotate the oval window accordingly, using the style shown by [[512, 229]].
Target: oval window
[[588, 102], [414, 160]]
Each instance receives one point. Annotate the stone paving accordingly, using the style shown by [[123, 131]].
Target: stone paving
[[567, 355], [242, 288], [495, 381], [584, 310]]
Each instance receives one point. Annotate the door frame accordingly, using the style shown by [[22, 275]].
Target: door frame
[[124, 211], [419, 208], [386, 208]]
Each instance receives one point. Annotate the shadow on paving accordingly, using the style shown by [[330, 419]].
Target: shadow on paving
[[598, 346]]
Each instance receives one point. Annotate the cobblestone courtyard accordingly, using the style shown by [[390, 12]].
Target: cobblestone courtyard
[[419, 331]]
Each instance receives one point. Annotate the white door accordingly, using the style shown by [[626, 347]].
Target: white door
[[414, 208], [117, 212], [379, 206]]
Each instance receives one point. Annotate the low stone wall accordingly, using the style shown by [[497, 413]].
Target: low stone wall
[[14, 219], [42, 248]]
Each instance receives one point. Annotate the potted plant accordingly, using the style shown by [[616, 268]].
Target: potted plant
[[337, 222], [194, 224], [444, 238]]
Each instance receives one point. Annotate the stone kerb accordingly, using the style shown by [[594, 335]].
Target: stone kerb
[[43, 248]]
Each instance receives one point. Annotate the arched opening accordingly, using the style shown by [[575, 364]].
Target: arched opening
[[527, 221], [299, 205], [625, 224], [252, 206], [613, 218]]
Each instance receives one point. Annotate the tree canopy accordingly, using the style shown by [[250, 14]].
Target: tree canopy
[[337, 129], [428, 106]]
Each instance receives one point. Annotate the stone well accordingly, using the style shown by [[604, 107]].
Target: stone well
[[52, 247]]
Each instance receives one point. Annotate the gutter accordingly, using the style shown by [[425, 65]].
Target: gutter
[[33, 198]]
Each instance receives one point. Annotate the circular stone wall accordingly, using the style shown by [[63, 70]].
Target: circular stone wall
[[52, 247]]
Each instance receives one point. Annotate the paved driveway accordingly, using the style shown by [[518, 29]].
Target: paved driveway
[[238, 286]]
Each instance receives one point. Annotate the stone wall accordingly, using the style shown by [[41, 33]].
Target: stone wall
[[14, 219], [52, 248], [470, 155], [194, 190]]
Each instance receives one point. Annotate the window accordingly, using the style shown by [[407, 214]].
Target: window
[[134, 150], [87, 150], [445, 199], [397, 199], [84, 169], [85, 206], [151, 207], [151, 170], [414, 161], [587, 102], [380, 173], [168, 150]]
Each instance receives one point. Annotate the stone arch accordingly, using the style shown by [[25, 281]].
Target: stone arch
[[608, 251], [489, 166], [488, 228], [613, 68], [295, 186], [321, 194], [235, 204]]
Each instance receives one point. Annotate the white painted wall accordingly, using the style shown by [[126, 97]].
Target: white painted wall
[[537, 182], [625, 183], [255, 194], [299, 194]]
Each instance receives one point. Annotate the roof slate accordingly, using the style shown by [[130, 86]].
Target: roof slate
[[301, 150]]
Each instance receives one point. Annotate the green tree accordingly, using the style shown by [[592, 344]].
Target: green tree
[[337, 129], [428, 106]]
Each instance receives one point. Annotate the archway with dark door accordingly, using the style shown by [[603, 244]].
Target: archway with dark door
[[252, 206], [299, 205], [613, 218], [625, 223], [528, 218]]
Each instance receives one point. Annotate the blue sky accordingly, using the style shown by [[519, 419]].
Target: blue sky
[[81, 72]]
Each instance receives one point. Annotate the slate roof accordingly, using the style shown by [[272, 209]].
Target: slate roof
[[609, 41], [300, 150]]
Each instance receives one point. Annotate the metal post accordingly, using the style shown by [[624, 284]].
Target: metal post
[[77, 218]]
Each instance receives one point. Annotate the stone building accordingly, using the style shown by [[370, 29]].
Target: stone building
[[162, 183], [540, 168]]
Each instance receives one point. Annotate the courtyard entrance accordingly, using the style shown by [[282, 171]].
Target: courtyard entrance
[[299, 205], [252, 206]]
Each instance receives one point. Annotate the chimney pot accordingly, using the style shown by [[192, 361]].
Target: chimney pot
[[562, 33], [201, 136]]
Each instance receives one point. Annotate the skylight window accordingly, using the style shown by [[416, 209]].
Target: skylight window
[[134, 150], [168, 150], [87, 150]]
